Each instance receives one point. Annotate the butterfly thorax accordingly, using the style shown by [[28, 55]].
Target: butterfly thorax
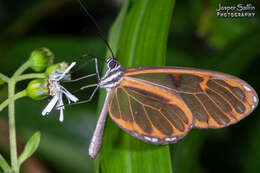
[[113, 76]]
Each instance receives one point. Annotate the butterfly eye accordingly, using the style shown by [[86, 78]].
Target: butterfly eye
[[112, 63]]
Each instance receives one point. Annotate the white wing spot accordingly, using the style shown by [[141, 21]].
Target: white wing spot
[[247, 88], [147, 138], [170, 139], [154, 139], [252, 107], [255, 99]]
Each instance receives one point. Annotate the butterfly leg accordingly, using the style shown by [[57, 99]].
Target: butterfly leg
[[93, 58], [89, 99], [90, 60], [87, 62], [87, 76], [91, 96], [80, 78]]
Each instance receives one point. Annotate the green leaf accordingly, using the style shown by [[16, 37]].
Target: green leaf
[[30, 147], [185, 153], [139, 37], [1, 82], [4, 165]]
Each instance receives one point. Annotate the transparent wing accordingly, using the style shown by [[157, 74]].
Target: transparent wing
[[215, 99]]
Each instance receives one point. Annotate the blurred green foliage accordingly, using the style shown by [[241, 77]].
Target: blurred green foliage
[[197, 38]]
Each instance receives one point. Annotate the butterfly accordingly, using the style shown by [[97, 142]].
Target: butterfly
[[160, 105]]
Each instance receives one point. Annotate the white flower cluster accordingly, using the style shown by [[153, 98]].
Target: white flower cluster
[[57, 91]]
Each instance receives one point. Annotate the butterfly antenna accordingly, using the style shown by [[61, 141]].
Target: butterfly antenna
[[99, 32]]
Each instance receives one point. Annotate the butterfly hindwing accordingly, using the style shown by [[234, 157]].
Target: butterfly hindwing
[[215, 99], [150, 113]]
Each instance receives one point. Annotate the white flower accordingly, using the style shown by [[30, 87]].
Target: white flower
[[56, 90]]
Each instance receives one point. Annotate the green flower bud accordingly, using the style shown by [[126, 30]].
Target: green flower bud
[[41, 58], [37, 89], [62, 66]]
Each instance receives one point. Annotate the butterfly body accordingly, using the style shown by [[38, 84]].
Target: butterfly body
[[112, 78]]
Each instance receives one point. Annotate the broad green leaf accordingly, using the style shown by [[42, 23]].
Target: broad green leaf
[[139, 37], [4, 165], [30, 147], [113, 40]]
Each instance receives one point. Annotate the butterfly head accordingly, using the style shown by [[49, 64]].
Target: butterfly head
[[113, 75], [112, 63]]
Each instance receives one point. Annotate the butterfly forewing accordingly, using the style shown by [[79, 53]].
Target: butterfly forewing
[[150, 113], [214, 99]]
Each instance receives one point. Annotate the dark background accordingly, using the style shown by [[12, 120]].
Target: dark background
[[197, 38]]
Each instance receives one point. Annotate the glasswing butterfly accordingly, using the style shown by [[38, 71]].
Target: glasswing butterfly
[[160, 105]]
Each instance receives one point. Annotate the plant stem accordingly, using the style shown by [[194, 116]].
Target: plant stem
[[21, 69], [12, 135], [11, 99], [4, 164], [29, 76], [21, 93], [4, 78]]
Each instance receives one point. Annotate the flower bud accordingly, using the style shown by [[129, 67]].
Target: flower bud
[[60, 67], [37, 89], [40, 59]]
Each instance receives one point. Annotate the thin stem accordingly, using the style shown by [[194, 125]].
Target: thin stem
[[21, 69], [11, 99], [4, 164], [12, 133], [4, 77], [29, 76]]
